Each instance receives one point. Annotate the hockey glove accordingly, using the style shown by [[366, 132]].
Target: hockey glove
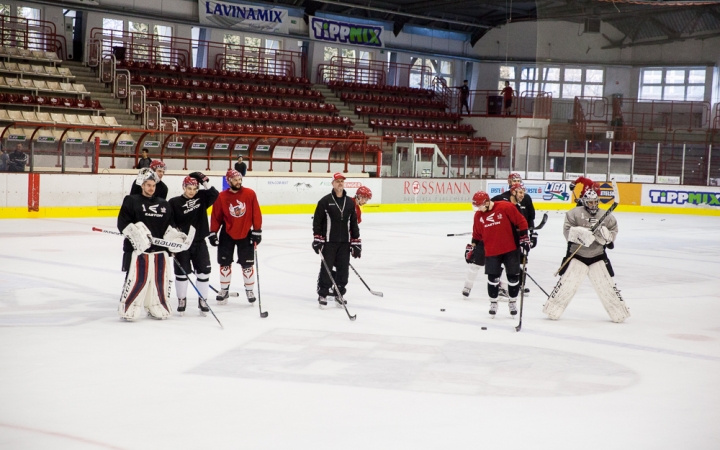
[[139, 236], [200, 177], [533, 239], [256, 236], [213, 239], [603, 235], [581, 235], [525, 244], [355, 248], [469, 253], [318, 243], [175, 235]]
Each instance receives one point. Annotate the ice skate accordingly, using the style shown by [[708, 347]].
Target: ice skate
[[493, 309], [223, 295], [512, 305], [250, 296], [203, 307], [322, 302], [466, 292], [181, 306]]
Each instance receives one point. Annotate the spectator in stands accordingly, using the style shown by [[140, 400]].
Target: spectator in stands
[[3, 160], [17, 160], [464, 96], [144, 161], [507, 94], [240, 166]]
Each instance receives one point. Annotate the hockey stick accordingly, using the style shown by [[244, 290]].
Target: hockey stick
[[337, 291], [522, 293], [459, 234], [257, 271], [536, 283], [198, 292], [542, 222], [379, 294], [232, 294], [176, 246], [615, 204]]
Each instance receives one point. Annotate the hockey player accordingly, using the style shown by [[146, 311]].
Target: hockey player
[[590, 260], [337, 236], [236, 222], [585, 184], [494, 226], [362, 196], [147, 284], [161, 189], [190, 209]]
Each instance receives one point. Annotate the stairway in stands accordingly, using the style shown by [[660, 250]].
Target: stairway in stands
[[343, 109], [98, 91]]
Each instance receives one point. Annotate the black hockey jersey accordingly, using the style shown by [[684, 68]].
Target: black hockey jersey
[[526, 207], [335, 219], [161, 190], [193, 211], [154, 212]]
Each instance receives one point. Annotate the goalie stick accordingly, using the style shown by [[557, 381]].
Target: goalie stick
[[379, 294], [156, 241], [198, 292], [616, 202]]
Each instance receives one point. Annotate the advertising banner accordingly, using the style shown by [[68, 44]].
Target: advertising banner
[[236, 15], [540, 191], [399, 190], [681, 196], [345, 32], [303, 191]]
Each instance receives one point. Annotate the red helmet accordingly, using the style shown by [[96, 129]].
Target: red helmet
[[364, 191], [189, 181], [590, 187], [157, 164], [231, 173], [480, 198], [514, 175], [516, 186]]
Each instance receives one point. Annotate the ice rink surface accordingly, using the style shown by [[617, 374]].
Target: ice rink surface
[[405, 375]]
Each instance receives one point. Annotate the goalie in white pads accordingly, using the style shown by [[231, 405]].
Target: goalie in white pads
[[147, 286], [590, 260]]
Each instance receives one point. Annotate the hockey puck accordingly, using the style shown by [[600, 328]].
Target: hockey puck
[[483, 328], [442, 310]]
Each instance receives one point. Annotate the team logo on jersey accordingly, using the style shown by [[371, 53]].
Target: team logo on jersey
[[237, 210], [191, 205], [491, 218], [499, 216], [153, 208]]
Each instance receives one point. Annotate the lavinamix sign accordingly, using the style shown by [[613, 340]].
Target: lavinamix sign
[[236, 15], [345, 32]]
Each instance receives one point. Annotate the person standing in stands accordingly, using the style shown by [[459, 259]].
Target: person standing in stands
[[464, 96], [507, 94], [17, 160], [144, 161], [240, 166]]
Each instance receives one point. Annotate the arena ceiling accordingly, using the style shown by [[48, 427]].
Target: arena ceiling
[[642, 22]]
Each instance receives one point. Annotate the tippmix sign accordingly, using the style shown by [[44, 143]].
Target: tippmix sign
[[234, 15], [680, 198], [345, 32]]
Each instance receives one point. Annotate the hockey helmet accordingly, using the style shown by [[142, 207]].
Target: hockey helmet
[[514, 177], [479, 200], [189, 181], [146, 174], [364, 191], [232, 173], [517, 187], [590, 201], [157, 164]]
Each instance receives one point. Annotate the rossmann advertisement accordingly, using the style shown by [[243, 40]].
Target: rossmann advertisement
[[681, 196], [399, 190], [544, 191]]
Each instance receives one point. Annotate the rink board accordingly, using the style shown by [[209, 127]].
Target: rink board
[[88, 195]]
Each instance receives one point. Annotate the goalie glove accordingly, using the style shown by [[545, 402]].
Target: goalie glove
[[581, 235], [469, 253], [139, 236], [175, 235], [200, 177], [603, 235]]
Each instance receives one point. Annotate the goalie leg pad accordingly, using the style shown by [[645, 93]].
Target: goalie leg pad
[[565, 289], [472, 274], [135, 288], [607, 291], [157, 298]]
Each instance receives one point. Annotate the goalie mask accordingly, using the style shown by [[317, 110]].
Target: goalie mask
[[590, 201], [146, 174]]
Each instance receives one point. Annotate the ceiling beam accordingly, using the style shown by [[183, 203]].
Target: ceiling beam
[[662, 41]]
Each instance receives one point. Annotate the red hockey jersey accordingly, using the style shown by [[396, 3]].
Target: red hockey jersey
[[237, 212], [495, 228]]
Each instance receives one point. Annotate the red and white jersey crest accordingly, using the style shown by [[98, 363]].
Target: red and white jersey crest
[[237, 210]]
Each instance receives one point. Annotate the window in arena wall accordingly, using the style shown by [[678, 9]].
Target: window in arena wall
[[251, 60], [560, 82], [507, 73], [682, 84], [113, 33], [163, 38], [140, 45], [7, 39], [29, 39], [274, 67]]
